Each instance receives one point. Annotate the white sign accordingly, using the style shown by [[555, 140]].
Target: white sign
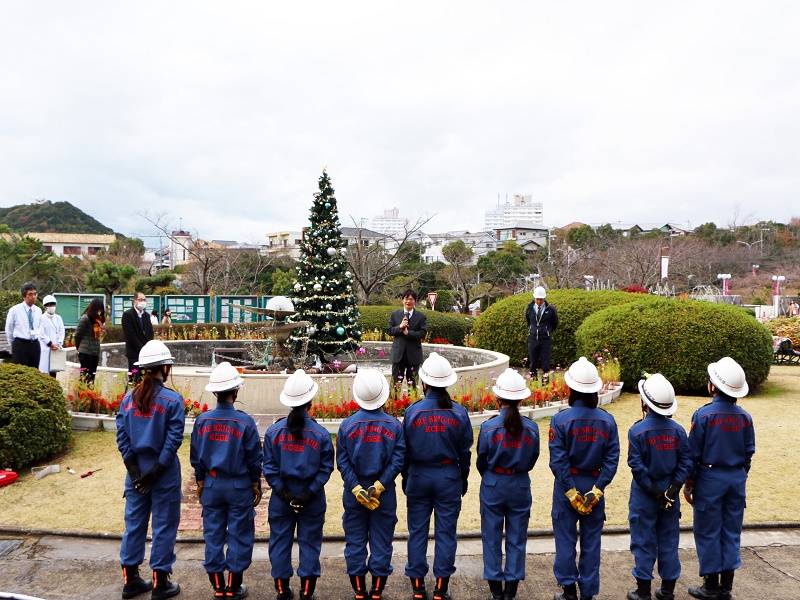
[[432, 298]]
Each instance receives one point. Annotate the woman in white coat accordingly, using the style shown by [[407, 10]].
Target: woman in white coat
[[52, 337]]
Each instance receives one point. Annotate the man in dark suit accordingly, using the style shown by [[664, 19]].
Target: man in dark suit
[[409, 327], [138, 331]]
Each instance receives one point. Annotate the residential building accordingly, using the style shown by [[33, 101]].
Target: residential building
[[81, 245], [522, 209], [286, 243], [390, 222], [525, 233]]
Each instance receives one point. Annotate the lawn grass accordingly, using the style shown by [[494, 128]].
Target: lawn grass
[[95, 504]]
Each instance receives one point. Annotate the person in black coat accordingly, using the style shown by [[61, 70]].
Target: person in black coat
[[138, 331], [542, 320], [409, 327]]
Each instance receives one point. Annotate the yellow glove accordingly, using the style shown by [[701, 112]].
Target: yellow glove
[[575, 499], [375, 490], [591, 498], [200, 484], [364, 498]]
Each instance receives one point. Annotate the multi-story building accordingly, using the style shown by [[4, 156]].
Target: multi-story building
[[523, 209], [81, 245], [390, 222], [286, 243]]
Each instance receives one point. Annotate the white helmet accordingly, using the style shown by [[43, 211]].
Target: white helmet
[[511, 386], [539, 292], [280, 303], [728, 377], [370, 389], [299, 389], [154, 353], [437, 371], [582, 377], [658, 394], [224, 378], [49, 299]]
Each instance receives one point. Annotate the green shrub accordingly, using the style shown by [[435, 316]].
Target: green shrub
[[444, 301], [447, 326], [677, 338], [34, 422], [786, 327], [7, 300], [501, 327]]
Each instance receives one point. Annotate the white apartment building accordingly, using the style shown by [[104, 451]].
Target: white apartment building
[[81, 245], [390, 222], [523, 209]]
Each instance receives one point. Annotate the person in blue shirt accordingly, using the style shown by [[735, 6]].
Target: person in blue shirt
[[508, 447], [149, 432], [298, 461], [722, 442], [370, 450], [584, 454], [435, 475], [658, 455], [227, 458]]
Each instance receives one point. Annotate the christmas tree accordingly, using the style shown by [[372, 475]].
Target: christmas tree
[[323, 286]]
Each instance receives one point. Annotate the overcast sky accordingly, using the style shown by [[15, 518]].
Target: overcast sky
[[224, 113]]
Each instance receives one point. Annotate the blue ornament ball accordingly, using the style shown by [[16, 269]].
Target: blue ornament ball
[[327, 205], [340, 330]]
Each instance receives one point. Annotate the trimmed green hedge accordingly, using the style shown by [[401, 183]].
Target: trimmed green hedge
[[449, 326], [501, 327], [34, 422], [677, 338]]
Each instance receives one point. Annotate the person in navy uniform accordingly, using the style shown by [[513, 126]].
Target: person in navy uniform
[[722, 442], [227, 458], [435, 475], [298, 461], [658, 455], [542, 320], [584, 454], [408, 327], [149, 432], [370, 449], [508, 447]]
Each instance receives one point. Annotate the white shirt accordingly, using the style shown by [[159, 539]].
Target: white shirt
[[52, 333], [17, 325]]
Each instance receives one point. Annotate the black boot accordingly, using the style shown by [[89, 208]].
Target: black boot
[[133, 583], [284, 590], [667, 590], [709, 590], [725, 585], [235, 590], [359, 583], [642, 590], [418, 591], [511, 590], [163, 587], [495, 590], [378, 583], [307, 586], [218, 582], [570, 593], [442, 591]]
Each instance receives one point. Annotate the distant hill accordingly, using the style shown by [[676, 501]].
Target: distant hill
[[50, 217]]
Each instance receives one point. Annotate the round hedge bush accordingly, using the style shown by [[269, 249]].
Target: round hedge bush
[[448, 326], [677, 338], [34, 422], [501, 327]]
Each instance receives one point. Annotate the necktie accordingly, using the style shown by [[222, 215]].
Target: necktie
[[539, 313], [407, 315], [142, 319], [30, 317]]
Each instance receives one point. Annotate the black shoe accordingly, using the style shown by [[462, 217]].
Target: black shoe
[[284, 590], [570, 593], [642, 591], [510, 592], [725, 585], [378, 585], [163, 587], [442, 589], [495, 590], [236, 590], [667, 590], [218, 583], [134, 584], [709, 590], [307, 587], [418, 591]]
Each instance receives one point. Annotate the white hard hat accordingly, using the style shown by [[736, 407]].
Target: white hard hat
[[658, 394], [728, 377], [154, 353], [49, 299], [280, 303], [437, 371], [511, 386], [299, 389], [582, 377], [539, 292], [370, 389], [224, 378]]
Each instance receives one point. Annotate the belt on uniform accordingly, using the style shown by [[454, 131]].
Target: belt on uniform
[[436, 462], [585, 472], [212, 473], [507, 471], [27, 341]]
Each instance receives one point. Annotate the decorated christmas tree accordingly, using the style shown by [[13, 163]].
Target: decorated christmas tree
[[323, 285]]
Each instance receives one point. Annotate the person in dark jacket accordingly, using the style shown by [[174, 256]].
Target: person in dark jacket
[[370, 450], [88, 334], [508, 447], [138, 330], [227, 458], [542, 320], [722, 442], [658, 455], [408, 327]]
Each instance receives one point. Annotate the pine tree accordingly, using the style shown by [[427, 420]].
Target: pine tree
[[323, 286]]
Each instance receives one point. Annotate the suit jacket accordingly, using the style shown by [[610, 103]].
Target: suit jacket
[[135, 336], [411, 344]]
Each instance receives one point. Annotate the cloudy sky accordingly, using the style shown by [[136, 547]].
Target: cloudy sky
[[223, 114]]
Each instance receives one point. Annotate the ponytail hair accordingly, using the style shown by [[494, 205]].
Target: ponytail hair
[[513, 420], [148, 387], [443, 399], [296, 420]]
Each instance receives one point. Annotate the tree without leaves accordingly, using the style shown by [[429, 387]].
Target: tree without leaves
[[462, 276]]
